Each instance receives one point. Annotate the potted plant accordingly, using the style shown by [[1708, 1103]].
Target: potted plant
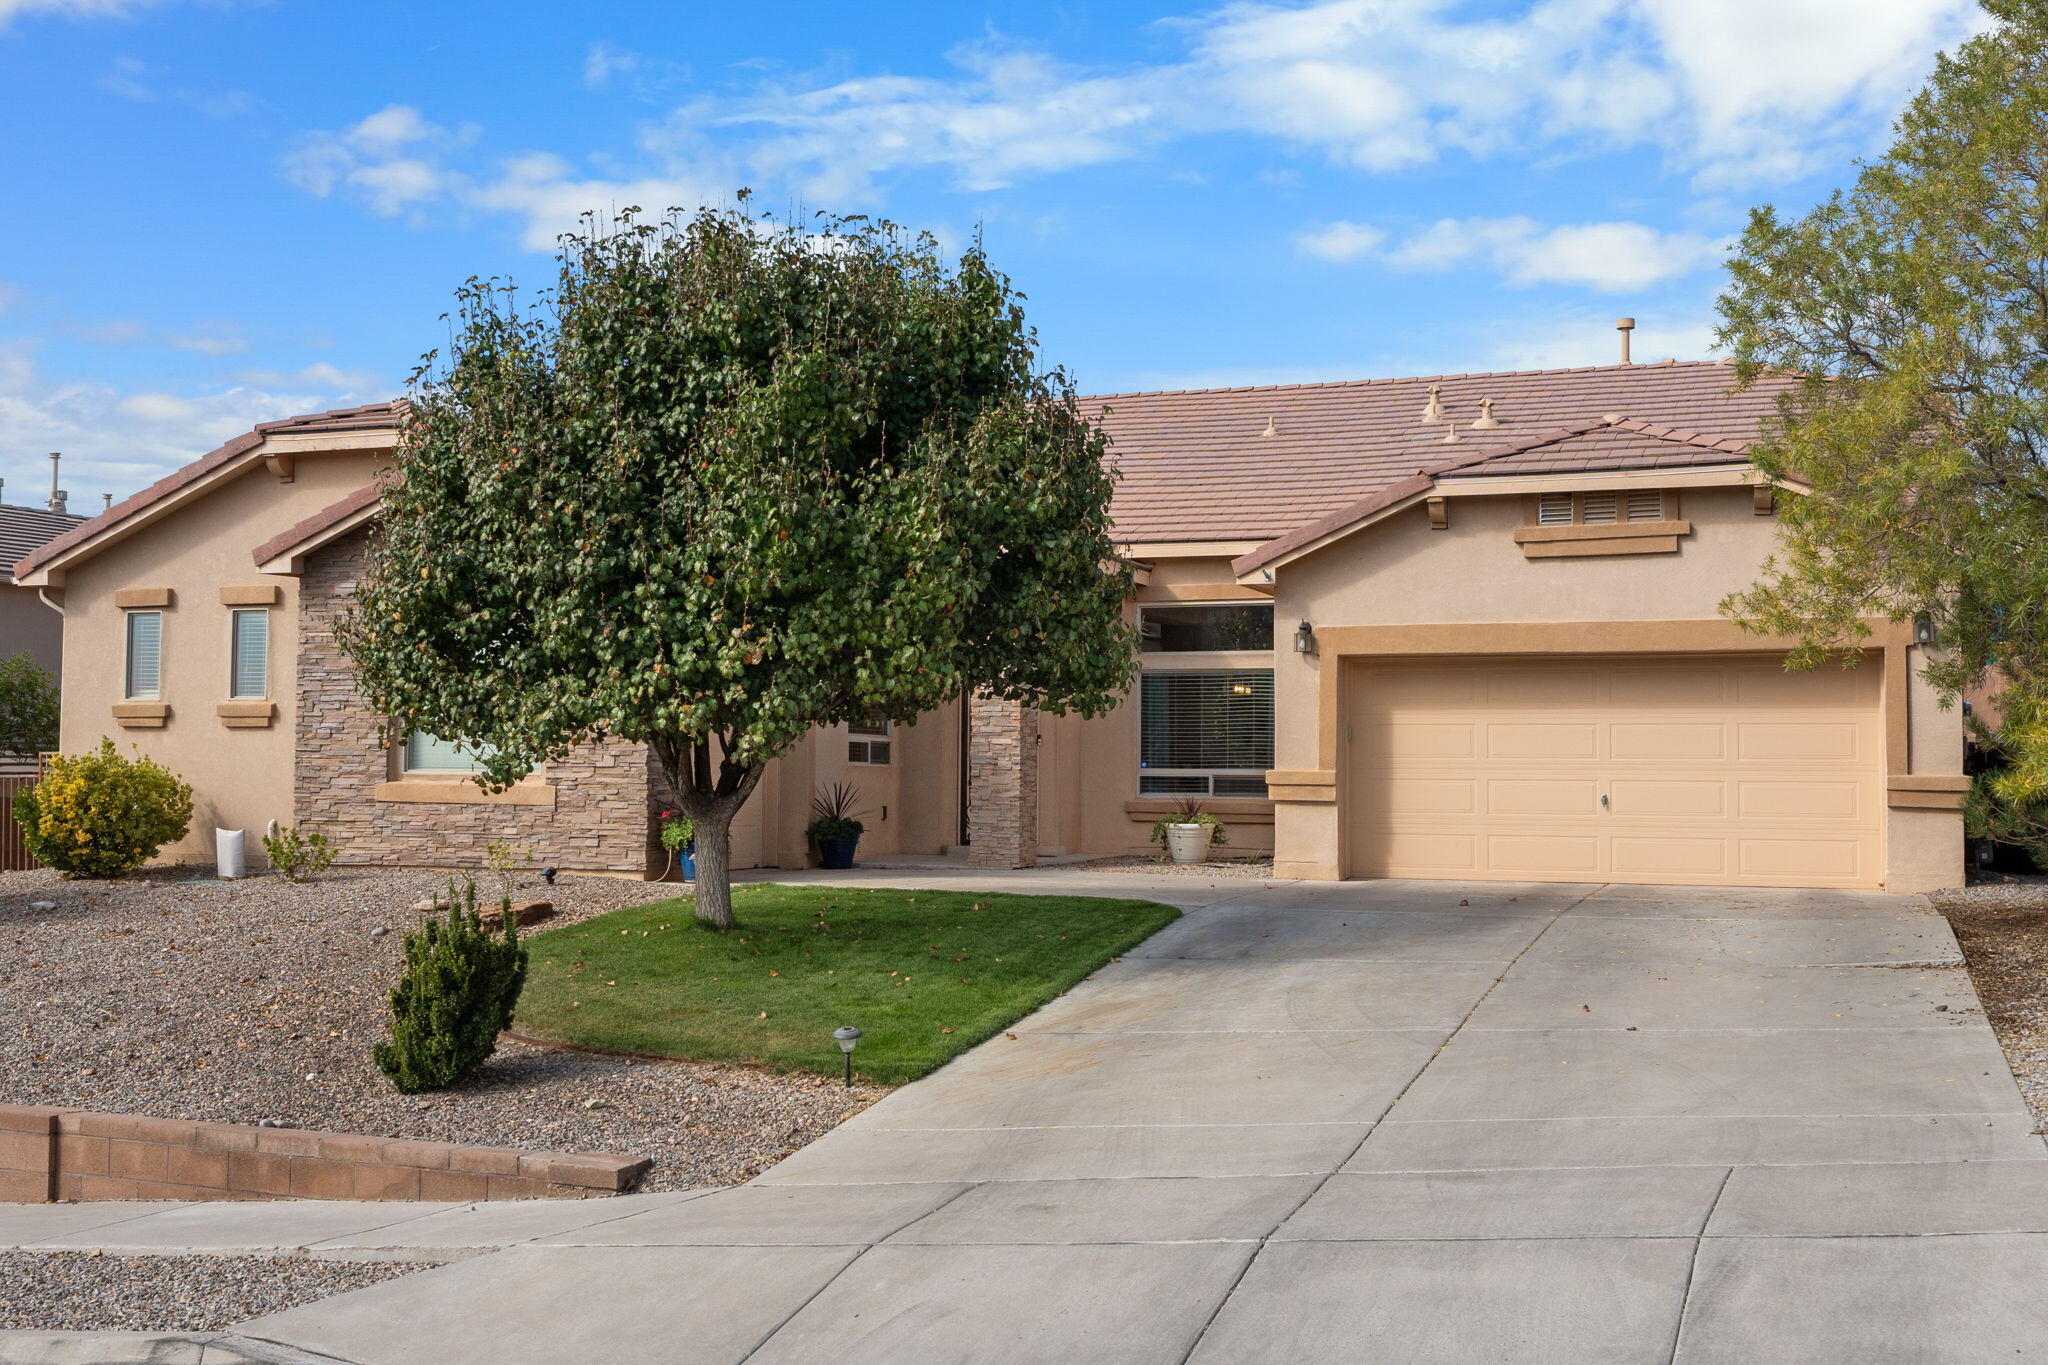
[[835, 824], [1187, 831], [679, 837]]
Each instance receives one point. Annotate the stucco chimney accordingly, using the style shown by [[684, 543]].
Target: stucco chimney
[[57, 494], [1624, 326]]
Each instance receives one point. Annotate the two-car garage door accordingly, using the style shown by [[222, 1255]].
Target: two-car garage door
[[1703, 770]]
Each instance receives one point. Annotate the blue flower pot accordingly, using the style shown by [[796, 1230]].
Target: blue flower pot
[[837, 854], [686, 862]]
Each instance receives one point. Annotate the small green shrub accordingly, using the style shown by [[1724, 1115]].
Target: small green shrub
[[299, 858], [97, 814], [460, 987], [835, 813]]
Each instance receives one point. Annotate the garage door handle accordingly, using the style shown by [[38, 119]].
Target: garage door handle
[[1603, 798]]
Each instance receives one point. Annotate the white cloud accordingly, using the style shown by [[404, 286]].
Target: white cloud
[[1339, 241], [390, 159], [213, 339], [71, 9], [116, 441], [1615, 257], [605, 60], [367, 385], [113, 332]]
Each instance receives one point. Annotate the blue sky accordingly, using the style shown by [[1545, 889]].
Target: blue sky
[[222, 211]]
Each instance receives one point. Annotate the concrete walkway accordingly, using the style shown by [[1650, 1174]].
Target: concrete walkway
[[1369, 1121]]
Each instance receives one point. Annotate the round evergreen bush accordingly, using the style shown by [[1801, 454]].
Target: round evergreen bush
[[97, 814]]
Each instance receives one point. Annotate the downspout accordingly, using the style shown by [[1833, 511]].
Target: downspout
[[43, 596]]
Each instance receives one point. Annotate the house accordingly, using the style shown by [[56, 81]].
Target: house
[[27, 625], [1459, 627]]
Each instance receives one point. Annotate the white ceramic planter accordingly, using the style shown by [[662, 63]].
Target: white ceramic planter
[[1188, 843]]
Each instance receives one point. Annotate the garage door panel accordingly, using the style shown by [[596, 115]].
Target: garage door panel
[[1667, 740], [1799, 741], [1670, 857], [1716, 770], [1542, 796], [1705, 799], [1527, 739]]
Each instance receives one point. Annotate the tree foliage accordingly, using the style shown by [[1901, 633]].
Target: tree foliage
[[729, 482], [97, 814], [1915, 307], [28, 708]]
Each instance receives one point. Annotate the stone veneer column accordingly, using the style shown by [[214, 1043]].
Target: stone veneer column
[[1002, 783]]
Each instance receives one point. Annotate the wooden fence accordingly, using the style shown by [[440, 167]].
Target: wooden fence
[[13, 852]]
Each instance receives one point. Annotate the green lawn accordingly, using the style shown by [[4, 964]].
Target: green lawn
[[923, 974]]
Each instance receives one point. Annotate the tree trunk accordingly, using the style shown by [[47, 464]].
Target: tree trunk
[[710, 791], [714, 867]]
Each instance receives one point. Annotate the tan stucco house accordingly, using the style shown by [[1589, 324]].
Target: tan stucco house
[[1461, 627]]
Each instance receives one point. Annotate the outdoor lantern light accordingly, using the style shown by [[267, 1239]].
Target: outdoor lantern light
[[1304, 638], [847, 1036], [1923, 630]]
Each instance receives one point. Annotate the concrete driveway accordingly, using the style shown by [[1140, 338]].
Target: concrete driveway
[[1368, 1121]]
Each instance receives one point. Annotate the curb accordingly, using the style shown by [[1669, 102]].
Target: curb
[[148, 1348]]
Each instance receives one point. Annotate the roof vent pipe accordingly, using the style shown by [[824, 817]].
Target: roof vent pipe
[[106, 502], [1486, 420], [1433, 410], [57, 495], [1624, 326]]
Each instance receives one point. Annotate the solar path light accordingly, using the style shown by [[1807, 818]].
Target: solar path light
[[847, 1037]]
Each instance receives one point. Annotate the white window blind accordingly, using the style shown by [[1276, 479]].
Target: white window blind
[[145, 654], [425, 753], [249, 647], [1646, 505], [1205, 732], [1554, 509]]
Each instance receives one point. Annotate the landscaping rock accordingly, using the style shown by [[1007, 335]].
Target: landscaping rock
[[523, 914]]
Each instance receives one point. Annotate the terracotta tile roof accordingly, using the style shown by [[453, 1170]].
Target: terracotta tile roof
[[327, 517], [23, 529], [369, 417], [1199, 464], [1604, 443]]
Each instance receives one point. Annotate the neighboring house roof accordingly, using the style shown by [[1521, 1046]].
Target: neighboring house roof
[[371, 417], [24, 529], [1607, 443], [1255, 463]]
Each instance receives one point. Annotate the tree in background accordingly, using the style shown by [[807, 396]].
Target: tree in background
[[736, 480], [28, 709], [1917, 308]]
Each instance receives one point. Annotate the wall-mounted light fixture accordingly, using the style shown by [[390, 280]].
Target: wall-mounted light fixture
[[1304, 638], [1923, 630]]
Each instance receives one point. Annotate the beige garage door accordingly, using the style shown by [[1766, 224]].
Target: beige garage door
[[1698, 770]]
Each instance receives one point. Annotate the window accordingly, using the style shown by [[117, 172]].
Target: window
[[1205, 732], [1600, 508], [249, 654], [425, 753], [1214, 626], [145, 655], [868, 743]]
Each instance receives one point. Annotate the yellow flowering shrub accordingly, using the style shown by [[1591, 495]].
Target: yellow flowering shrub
[[97, 814]]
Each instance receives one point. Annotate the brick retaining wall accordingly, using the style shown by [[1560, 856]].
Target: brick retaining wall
[[49, 1154]]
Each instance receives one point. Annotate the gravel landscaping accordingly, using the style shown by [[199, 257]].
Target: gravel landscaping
[[2002, 926], [82, 1291], [177, 995]]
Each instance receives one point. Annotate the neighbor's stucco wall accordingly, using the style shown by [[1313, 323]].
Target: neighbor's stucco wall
[[241, 778], [28, 627]]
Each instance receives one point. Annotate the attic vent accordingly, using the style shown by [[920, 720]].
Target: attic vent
[[1554, 509], [1601, 507], [1645, 505]]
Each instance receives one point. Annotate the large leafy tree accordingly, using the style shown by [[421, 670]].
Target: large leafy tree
[[28, 708], [1916, 308], [729, 482]]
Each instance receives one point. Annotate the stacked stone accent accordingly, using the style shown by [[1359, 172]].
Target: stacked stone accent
[[1002, 783], [49, 1154], [601, 821]]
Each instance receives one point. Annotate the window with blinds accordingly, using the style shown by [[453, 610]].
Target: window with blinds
[[1205, 732], [425, 753], [868, 743], [249, 654], [145, 655]]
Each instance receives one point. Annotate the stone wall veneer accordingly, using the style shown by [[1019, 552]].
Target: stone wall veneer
[[1002, 783], [601, 819]]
